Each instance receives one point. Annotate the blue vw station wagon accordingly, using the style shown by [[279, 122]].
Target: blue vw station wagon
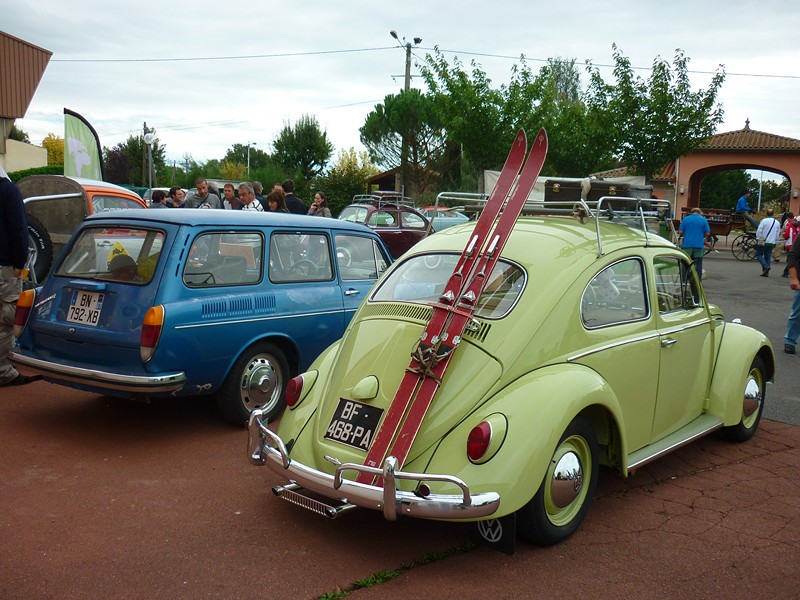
[[145, 304]]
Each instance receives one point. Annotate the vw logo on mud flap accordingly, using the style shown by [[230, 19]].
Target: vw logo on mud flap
[[491, 530]]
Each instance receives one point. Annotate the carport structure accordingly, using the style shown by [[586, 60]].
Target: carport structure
[[742, 149]]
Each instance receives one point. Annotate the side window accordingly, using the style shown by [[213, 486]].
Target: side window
[[299, 256], [359, 257], [221, 259], [676, 284], [107, 203], [617, 294], [383, 218], [412, 220]]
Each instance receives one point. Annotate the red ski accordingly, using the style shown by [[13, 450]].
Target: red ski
[[411, 380], [441, 355]]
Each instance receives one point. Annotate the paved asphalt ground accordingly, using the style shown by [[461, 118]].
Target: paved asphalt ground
[[104, 498]]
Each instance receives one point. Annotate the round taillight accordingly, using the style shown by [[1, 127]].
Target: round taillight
[[478, 440], [293, 390]]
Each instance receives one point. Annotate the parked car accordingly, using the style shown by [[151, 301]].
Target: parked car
[[442, 217], [55, 205], [592, 344], [146, 304], [399, 225]]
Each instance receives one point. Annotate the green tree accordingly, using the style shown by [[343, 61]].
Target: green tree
[[135, 169], [238, 154], [55, 149], [18, 135], [347, 178], [414, 115], [655, 121], [303, 148]]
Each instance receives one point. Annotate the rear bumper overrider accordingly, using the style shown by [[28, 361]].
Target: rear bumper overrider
[[96, 378], [266, 447]]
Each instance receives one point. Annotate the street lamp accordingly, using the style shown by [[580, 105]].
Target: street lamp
[[248, 157], [149, 139], [406, 87]]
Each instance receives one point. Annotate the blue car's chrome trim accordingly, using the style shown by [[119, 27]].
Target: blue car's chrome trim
[[164, 382], [338, 311], [387, 499]]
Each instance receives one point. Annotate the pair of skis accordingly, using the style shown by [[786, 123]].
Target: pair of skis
[[457, 304]]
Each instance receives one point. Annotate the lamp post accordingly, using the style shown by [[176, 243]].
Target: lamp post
[[406, 87], [248, 157], [149, 139]]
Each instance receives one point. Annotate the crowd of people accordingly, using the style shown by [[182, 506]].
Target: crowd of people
[[250, 197]]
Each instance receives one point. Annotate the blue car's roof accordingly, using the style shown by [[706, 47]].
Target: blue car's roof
[[218, 217]]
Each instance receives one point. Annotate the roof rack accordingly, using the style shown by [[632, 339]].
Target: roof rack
[[636, 213], [380, 198]]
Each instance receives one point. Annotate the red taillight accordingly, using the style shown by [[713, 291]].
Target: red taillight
[[23, 312], [293, 390], [151, 331], [478, 440]]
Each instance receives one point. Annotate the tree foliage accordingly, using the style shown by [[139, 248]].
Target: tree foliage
[[347, 178], [303, 148], [18, 135], [127, 163], [655, 121], [55, 149]]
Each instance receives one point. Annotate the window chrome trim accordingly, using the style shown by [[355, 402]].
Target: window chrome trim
[[260, 319]]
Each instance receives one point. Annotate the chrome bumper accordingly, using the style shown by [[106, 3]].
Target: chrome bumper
[[165, 382], [387, 499]]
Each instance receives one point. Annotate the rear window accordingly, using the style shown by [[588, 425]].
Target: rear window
[[354, 214], [423, 278], [122, 254]]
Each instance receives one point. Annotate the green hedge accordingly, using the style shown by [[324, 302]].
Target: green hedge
[[49, 170]]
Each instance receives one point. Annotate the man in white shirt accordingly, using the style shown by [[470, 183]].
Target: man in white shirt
[[766, 237], [248, 197]]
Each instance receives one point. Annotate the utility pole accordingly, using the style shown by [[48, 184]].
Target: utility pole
[[144, 157], [406, 88]]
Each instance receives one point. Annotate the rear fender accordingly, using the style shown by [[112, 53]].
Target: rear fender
[[538, 407], [739, 346]]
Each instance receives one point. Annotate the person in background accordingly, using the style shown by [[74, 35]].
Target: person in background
[[319, 207], [175, 197], [766, 237], [693, 231], [159, 199], [743, 208], [791, 232], [276, 201], [793, 322], [293, 203], [259, 190], [229, 199], [13, 257], [202, 198], [782, 244], [248, 197]]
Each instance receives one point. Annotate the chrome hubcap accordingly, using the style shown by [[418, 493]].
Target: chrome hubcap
[[567, 479], [260, 384], [752, 397]]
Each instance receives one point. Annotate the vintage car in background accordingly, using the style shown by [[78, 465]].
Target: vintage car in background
[[400, 225], [55, 205], [147, 304], [592, 344], [442, 217]]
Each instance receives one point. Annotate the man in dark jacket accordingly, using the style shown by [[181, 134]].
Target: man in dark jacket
[[293, 203], [793, 324], [13, 256]]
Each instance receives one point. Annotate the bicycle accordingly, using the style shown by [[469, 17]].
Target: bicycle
[[744, 246]]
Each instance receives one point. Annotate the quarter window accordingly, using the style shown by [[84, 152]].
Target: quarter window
[[615, 295], [676, 285], [412, 221]]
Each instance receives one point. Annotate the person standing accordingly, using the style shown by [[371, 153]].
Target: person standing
[[229, 199], [202, 198], [248, 197], [319, 208], [793, 322], [743, 208], [694, 230], [766, 237], [276, 201], [175, 197], [293, 203], [791, 233], [159, 199], [13, 256]]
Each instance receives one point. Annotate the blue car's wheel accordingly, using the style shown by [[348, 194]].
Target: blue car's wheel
[[563, 499], [257, 380]]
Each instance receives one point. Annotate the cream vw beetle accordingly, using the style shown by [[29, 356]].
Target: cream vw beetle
[[592, 344]]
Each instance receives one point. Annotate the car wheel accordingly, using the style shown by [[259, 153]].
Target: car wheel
[[752, 404], [257, 380], [563, 499], [41, 247]]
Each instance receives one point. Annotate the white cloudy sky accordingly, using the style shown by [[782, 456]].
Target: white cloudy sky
[[202, 107]]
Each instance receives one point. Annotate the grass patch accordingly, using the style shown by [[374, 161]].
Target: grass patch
[[380, 577]]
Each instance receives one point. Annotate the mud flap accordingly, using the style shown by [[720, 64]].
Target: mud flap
[[499, 534]]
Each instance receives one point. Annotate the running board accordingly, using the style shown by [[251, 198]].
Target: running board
[[301, 497], [700, 427]]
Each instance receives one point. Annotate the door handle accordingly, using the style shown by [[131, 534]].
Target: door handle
[[351, 292], [667, 342]]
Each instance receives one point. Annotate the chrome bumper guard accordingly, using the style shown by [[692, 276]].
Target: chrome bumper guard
[[165, 382], [266, 447]]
